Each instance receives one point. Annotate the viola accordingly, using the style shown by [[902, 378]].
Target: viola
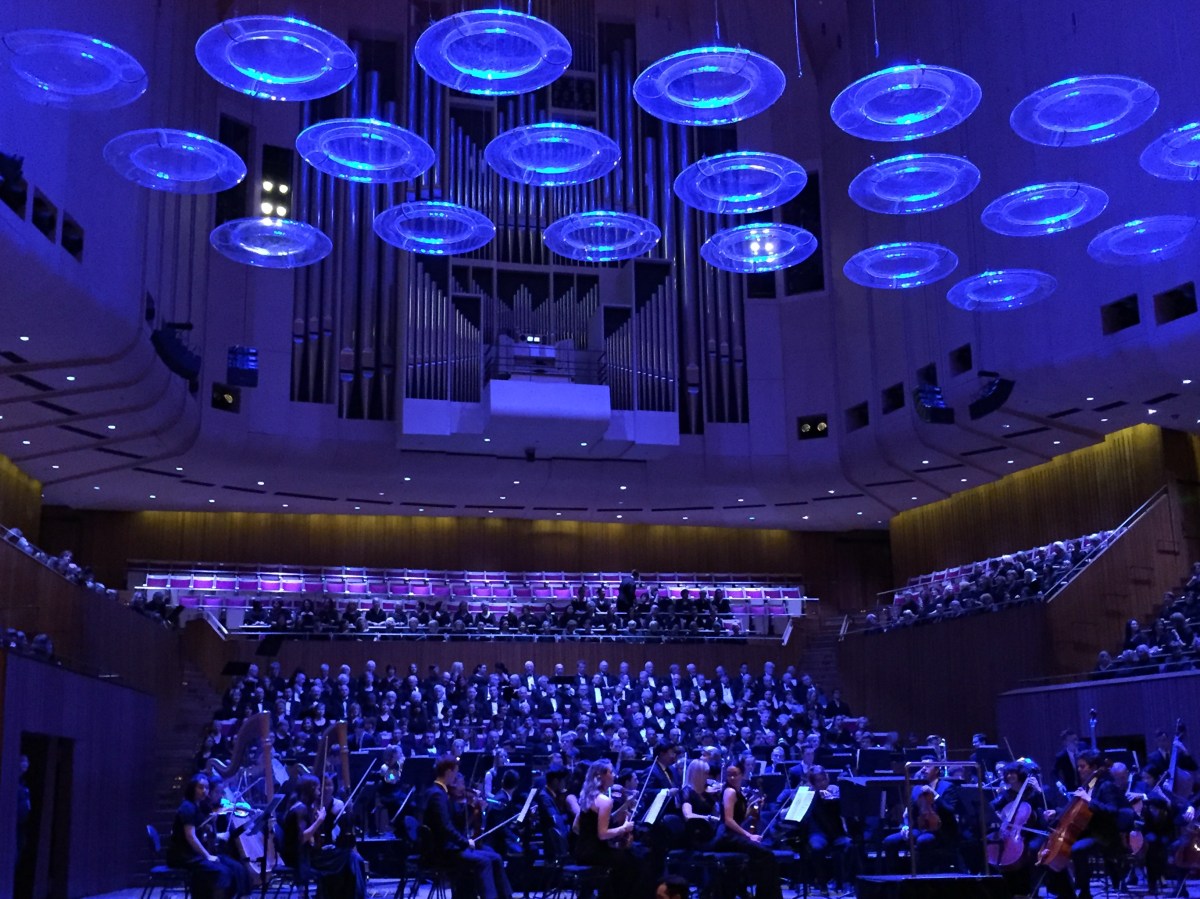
[[928, 818]]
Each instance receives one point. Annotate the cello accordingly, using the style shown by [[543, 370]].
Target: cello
[[1009, 849], [1056, 853]]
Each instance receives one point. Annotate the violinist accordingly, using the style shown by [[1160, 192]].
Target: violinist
[[449, 846], [663, 775], [309, 848], [550, 820], [732, 836], [825, 830], [701, 812], [387, 790], [596, 837], [1103, 800], [503, 805], [210, 876]]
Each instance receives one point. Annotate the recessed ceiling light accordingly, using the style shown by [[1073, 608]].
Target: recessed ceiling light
[[751, 517], [487, 439], [924, 461], [833, 491], [112, 427], [504, 497], [55, 467], [1187, 380], [1010, 461], [179, 468], [1008, 426], [285, 505], [741, 500], [421, 510], [212, 500], [558, 513], [620, 516], [858, 513], [516, 482], [1151, 411], [25, 443], [583, 443], [1089, 398], [962, 480], [489, 511], [381, 493], [408, 479], [70, 377], [685, 518], [262, 483], [913, 497], [356, 508], [152, 496], [95, 488], [1104, 419], [1057, 442], [623, 487], [24, 339], [804, 517]]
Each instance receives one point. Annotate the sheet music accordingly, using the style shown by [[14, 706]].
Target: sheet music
[[525, 808], [800, 805], [656, 807]]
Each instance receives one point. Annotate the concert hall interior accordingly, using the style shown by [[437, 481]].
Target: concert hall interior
[[599, 449]]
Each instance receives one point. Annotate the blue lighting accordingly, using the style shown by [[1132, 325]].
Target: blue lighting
[[601, 236], [276, 58], [1002, 290], [1152, 239], [181, 162], [740, 182], [709, 86], [1176, 155], [493, 52], [70, 70], [1044, 209], [899, 266], [1084, 110], [270, 243], [365, 150], [919, 182], [758, 247], [552, 154], [434, 228], [905, 103]]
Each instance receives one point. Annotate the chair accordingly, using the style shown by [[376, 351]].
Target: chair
[[575, 881], [163, 878]]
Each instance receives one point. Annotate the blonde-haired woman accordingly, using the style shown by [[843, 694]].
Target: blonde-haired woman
[[594, 842]]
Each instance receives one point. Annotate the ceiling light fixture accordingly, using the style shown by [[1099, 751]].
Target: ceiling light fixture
[[601, 236], [918, 182], [434, 228], [1084, 110], [709, 86], [270, 242], [906, 103], [181, 162], [364, 150], [71, 70], [758, 247], [552, 154]]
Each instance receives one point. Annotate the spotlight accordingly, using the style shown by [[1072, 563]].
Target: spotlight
[[995, 393], [226, 397]]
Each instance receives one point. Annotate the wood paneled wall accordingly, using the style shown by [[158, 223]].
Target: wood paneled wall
[[840, 569], [1077, 493], [111, 795], [20, 500]]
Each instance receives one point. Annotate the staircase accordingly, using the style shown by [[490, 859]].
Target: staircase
[[818, 657]]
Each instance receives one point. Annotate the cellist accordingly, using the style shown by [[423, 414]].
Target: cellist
[[1102, 799], [1018, 800]]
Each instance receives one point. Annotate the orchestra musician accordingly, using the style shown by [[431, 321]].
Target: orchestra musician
[[663, 775], [597, 841], [1160, 818], [192, 846], [825, 830], [549, 813], [701, 814], [1019, 785], [932, 820], [732, 836], [1104, 801], [449, 846], [310, 844]]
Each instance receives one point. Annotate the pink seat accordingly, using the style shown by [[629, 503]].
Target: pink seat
[[542, 593], [290, 586], [181, 581], [398, 588], [502, 592], [441, 591], [419, 589], [358, 588], [335, 585], [202, 583], [225, 583], [522, 591], [251, 584], [314, 585], [377, 588], [189, 601], [157, 580], [563, 593], [460, 591]]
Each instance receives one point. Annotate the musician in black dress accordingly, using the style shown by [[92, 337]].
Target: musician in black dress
[[310, 846], [732, 836], [599, 843], [1019, 782], [449, 847], [701, 811], [211, 876]]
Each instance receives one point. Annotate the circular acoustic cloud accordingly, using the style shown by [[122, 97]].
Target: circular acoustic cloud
[[906, 103], [1084, 110], [434, 228], [709, 86], [181, 162], [276, 58], [1002, 290], [1176, 155], [1044, 209], [740, 182], [552, 154], [601, 236], [1142, 241], [70, 70], [493, 52], [758, 247], [366, 150], [270, 242], [899, 266], [919, 182]]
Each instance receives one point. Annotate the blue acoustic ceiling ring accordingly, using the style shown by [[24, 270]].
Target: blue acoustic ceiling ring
[[552, 154], [181, 162], [740, 182], [1002, 290], [601, 236], [899, 266], [1141, 241], [1176, 155], [919, 182], [905, 103], [71, 70], [758, 247], [276, 58], [709, 86], [493, 52], [270, 242], [365, 150], [434, 228], [1084, 110], [1044, 209]]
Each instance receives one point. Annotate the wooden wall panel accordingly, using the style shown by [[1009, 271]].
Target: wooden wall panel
[[1077, 493], [838, 568], [109, 725], [20, 499]]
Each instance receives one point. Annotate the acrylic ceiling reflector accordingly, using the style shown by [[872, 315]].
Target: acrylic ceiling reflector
[[270, 243], [740, 182], [709, 86], [364, 150], [758, 247], [905, 103], [899, 266], [70, 70], [1084, 110], [434, 227], [919, 182], [1001, 290], [1044, 209], [181, 162], [493, 52], [1152, 239], [601, 236], [276, 58], [1176, 155], [552, 154]]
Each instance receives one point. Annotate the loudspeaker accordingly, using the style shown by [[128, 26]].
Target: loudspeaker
[[932, 886], [994, 395], [931, 406]]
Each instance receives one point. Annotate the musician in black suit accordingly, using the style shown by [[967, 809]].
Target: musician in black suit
[[663, 775], [448, 846], [825, 830], [1064, 769], [550, 815], [934, 808], [1105, 801], [208, 873]]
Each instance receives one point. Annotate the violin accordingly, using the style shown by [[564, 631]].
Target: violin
[[755, 799]]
